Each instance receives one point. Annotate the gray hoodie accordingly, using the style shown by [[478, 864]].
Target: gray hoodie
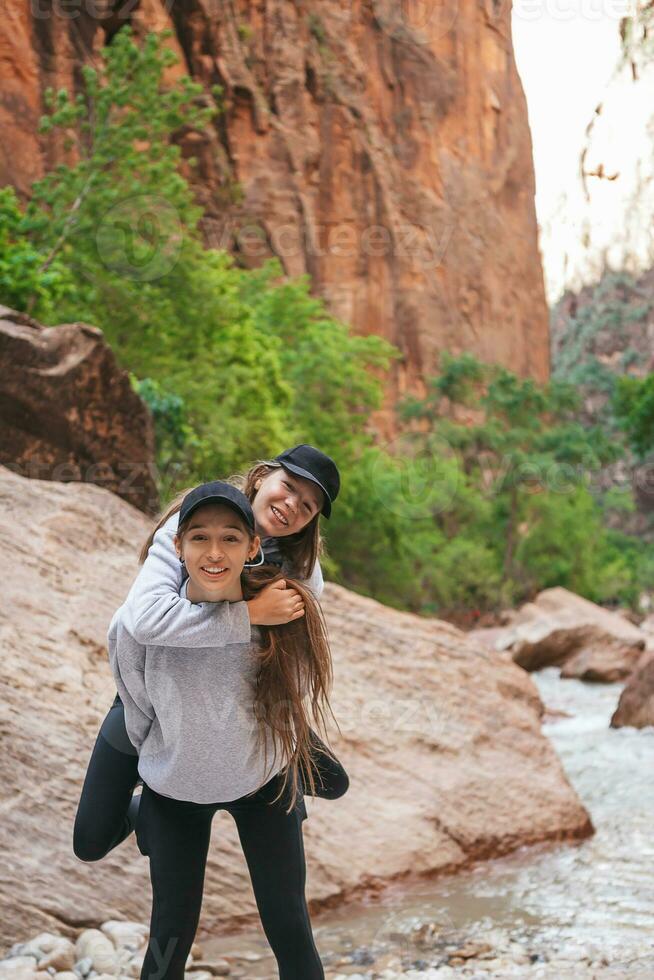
[[186, 672]]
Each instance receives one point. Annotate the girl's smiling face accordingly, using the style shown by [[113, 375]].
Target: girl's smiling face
[[215, 545], [285, 503]]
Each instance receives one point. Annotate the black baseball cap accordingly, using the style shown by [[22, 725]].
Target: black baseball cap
[[217, 492], [315, 466]]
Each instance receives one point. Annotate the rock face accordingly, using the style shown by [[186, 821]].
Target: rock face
[[561, 628], [636, 704], [68, 412], [382, 148], [609, 327], [440, 738]]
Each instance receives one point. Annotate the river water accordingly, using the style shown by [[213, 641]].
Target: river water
[[590, 904]]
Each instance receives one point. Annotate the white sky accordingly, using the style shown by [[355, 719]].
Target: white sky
[[566, 52]]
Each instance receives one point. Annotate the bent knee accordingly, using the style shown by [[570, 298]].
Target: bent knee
[[88, 848], [334, 787], [339, 786]]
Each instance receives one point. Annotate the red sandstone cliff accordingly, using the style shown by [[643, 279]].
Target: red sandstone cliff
[[382, 147]]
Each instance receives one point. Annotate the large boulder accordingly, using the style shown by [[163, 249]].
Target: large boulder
[[562, 628], [68, 411], [441, 738], [636, 704], [602, 659]]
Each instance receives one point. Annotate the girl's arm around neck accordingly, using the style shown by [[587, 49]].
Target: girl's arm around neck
[[156, 614]]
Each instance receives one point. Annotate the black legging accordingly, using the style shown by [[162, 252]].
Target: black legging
[[175, 835], [107, 809]]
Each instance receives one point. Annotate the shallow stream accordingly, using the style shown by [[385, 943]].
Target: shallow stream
[[590, 903]]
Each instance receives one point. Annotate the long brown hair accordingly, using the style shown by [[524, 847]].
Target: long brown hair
[[301, 550], [294, 662]]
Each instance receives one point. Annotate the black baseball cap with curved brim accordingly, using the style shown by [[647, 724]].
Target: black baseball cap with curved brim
[[313, 465], [218, 492]]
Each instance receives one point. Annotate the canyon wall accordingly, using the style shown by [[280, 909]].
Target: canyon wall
[[381, 147]]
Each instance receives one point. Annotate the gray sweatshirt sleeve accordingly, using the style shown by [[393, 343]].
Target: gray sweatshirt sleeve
[[127, 661], [315, 582], [157, 615]]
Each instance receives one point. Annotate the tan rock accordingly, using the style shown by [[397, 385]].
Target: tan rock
[[61, 957], [216, 967], [441, 738], [367, 154], [134, 966], [128, 935], [559, 626], [636, 704], [45, 942], [647, 626], [66, 975], [472, 950], [390, 962], [18, 968], [69, 411], [97, 947], [605, 660]]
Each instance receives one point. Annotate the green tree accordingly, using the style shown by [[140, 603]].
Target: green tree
[[523, 450], [121, 222], [23, 270], [233, 364], [117, 132], [633, 404], [335, 375]]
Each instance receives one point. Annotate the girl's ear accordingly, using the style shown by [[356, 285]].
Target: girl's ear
[[254, 549], [177, 542], [257, 484]]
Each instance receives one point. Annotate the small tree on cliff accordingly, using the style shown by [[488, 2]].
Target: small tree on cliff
[[117, 133], [123, 224]]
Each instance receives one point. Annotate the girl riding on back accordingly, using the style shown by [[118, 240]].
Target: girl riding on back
[[288, 495], [224, 728]]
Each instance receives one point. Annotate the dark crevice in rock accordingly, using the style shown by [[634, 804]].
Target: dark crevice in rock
[[190, 25], [311, 81], [184, 15]]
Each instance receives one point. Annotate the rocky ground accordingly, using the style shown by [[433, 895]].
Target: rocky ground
[[499, 956], [116, 950]]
